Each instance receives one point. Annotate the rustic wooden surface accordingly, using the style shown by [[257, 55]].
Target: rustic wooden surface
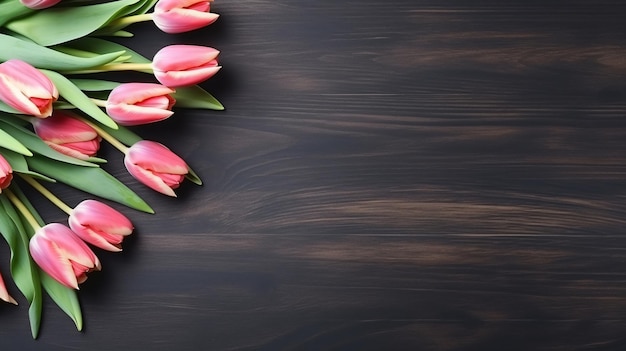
[[388, 175]]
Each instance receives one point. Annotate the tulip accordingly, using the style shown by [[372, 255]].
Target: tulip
[[100, 225], [4, 294], [182, 65], [156, 166], [132, 104], [6, 173], [39, 4], [63, 255], [178, 16], [68, 135], [26, 89]]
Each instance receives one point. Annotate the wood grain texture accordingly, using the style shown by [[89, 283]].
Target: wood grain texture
[[398, 175]]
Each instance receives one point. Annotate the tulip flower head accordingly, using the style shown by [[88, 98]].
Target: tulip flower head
[[26, 89], [39, 4], [178, 16], [132, 104], [182, 65], [156, 166], [6, 173], [68, 135], [100, 225], [63, 255], [4, 294]]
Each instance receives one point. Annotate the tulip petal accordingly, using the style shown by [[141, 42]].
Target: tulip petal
[[186, 78], [4, 293], [48, 256], [148, 178]]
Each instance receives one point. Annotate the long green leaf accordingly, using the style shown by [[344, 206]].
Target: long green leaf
[[195, 97], [92, 180], [9, 142], [64, 297], [103, 47], [94, 84], [11, 10], [23, 270], [19, 165], [62, 24], [76, 97], [46, 58]]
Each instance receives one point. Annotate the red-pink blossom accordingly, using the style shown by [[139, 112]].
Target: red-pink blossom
[[100, 225], [63, 255], [68, 135], [178, 16], [156, 166], [132, 104], [182, 65], [26, 89]]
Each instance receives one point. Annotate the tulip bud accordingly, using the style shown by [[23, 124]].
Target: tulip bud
[[4, 294], [62, 254], [182, 65], [26, 89], [39, 4], [100, 225], [68, 135], [178, 16], [156, 166], [6, 173], [132, 104]]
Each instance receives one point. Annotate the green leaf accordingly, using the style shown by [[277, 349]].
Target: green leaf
[[193, 177], [196, 97], [6, 108], [104, 47], [19, 165], [61, 24], [94, 84], [123, 134], [46, 58], [23, 269], [11, 10], [9, 142], [64, 297], [76, 97], [92, 180], [36, 145]]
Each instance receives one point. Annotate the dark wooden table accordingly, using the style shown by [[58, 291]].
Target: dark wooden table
[[388, 175]]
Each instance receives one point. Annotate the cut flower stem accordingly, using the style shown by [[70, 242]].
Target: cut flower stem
[[103, 133], [23, 209], [47, 193]]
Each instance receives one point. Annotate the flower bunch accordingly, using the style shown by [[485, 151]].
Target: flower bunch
[[54, 117]]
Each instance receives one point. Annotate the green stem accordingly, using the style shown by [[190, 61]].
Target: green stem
[[23, 209], [128, 66], [47, 193], [124, 21], [106, 136]]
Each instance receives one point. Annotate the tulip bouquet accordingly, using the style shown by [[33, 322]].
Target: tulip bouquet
[[54, 114]]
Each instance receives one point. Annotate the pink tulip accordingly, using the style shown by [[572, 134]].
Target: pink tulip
[[132, 104], [178, 16], [181, 65], [63, 255], [39, 4], [6, 173], [4, 293], [68, 135], [26, 89], [100, 225], [156, 166]]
